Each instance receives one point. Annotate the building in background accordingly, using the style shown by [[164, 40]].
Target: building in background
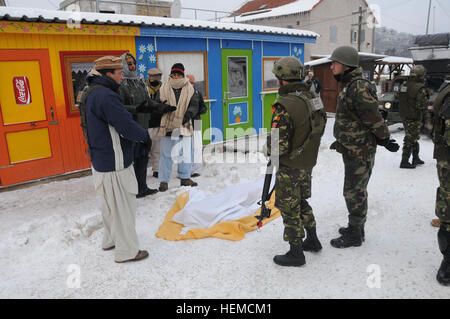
[[333, 20], [45, 57], [136, 7]]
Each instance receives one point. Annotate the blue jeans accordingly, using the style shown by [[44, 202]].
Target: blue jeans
[[176, 149]]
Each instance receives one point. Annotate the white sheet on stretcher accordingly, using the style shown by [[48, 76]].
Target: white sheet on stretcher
[[204, 210]]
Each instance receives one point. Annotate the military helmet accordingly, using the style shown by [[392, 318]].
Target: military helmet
[[288, 68], [346, 55], [154, 71], [419, 70]]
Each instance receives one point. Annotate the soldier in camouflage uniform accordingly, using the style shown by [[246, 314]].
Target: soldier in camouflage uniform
[[299, 120], [441, 133], [413, 99], [358, 128]]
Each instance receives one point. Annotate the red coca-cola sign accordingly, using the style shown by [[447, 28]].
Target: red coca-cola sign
[[22, 90]]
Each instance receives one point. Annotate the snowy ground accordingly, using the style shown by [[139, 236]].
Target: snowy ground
[[46, 228]]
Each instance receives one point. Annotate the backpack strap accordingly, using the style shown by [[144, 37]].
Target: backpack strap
[[82, 107]]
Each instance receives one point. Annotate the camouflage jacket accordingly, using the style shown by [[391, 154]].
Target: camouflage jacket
[[358, 123], [441, 132], [282, 121], [414, 100]]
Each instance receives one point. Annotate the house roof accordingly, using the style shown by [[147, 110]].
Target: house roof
[[255, 5], [285, 9], [279, 8], [42, 15]]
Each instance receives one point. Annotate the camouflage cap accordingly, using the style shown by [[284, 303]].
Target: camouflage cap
[[346, 55], [288, 68]]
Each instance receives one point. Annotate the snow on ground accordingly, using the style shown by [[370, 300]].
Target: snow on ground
[[46, 228]]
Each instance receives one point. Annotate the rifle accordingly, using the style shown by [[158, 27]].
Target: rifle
[[265, 212]]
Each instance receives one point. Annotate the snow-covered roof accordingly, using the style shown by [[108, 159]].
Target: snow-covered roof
[[362, 55], [291, 8], [378, 58], [318, 62], [42, 15], [396, 59]]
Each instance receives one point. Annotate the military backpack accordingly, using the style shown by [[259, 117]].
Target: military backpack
[[82, 98], [304, 152]]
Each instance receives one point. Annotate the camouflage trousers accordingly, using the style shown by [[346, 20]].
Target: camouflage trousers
[[443, 194], [412, 134], [357, 175], [292, 189]]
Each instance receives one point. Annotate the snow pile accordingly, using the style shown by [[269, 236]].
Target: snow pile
[[48, 230]]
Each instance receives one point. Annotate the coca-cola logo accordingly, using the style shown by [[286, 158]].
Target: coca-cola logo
[[22, 90]]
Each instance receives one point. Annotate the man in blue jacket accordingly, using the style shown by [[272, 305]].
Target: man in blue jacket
[[111, 133]]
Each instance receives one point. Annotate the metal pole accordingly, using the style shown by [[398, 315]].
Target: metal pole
[[373, 38], [360, 28], [434, 19], [97, 6], [428, 20]]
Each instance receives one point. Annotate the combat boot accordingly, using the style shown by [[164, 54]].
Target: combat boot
[[405, 159], [344, 230], [443, 275], [416, 160], [294, 257], [311, 243], [351, 238], [188, 182]]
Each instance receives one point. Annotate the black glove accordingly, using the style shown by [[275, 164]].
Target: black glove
[[143, 107], [168, 108], [187, 117], [390, 144]]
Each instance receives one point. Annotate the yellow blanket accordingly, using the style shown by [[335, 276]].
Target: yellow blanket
[[231, 230]]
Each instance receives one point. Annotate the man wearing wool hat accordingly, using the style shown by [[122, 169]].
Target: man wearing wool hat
[[111, 132], [176, 128]]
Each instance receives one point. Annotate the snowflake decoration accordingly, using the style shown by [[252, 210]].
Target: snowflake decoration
[[150, 48], [237, 111], [142, 48], [152, 58]]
